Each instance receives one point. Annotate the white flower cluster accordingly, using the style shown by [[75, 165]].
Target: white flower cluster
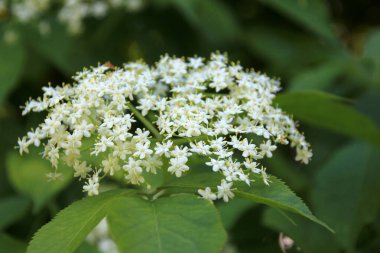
[[71, 13], [141, 119]]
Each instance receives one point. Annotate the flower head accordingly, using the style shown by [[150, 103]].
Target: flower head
[[141, 118]]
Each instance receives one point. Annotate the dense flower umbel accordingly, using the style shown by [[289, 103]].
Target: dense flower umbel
[[212, 109]]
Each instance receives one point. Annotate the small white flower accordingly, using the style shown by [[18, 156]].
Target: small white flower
[[163, 148], [216, 164], [178, 166], [133, 167], [200, 148], [252, 166], [267, 148], [152, 163], [264, 175], [207, 194], [303, 155], [224, 191], [142, 150], [92, 185], [81, 169], [195, 62], [23, 145], [110, 165]]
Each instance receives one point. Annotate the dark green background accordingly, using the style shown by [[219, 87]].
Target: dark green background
[[331, 46]]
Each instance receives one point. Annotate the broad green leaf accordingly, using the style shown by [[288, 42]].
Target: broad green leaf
[[368, 104], [12, 56], [179, 223], [345, 194], [12, 209], [307, 235], [27, 174], [276, 195], [86, 247], [318, 77], [311, 14], [9, 244], [212, 18], [70, 227], [324, 110], [68, 53], [277, 44], [283, 167], [372, 52], [231, 211]]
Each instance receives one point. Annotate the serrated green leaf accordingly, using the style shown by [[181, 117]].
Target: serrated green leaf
[[12, 57], [311, 14], [179, 223], [27, 175], [277, 194], [11, 209], [282, 166], [324, 110], [9, 244], [345, 191], [70, 227]]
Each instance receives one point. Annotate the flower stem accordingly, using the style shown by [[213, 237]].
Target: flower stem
[[146, 122], [189, 139]]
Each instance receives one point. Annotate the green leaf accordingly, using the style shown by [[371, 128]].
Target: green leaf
[[318, 77], [311, 14], [371, 51], [212, 18], [345, 194], [285, 168], [179, 223], [230, 212], [12, 209], [276, 195], [86, 247], [28, 176], [368, 104], [70, 227], [277, 44], [11, 245], [326, 111], [12, 57], [307, 235], [67, 52]]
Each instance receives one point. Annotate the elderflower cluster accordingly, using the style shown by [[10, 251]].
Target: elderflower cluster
[[139, 119], [71, 13]]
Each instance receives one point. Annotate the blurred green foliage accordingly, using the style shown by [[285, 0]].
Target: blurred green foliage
[[327, 54]]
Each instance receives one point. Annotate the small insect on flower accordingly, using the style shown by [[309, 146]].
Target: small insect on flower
[[140, 120]]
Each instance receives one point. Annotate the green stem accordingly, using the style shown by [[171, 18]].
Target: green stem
[[146, 122], [190, 139], [208, 94]]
